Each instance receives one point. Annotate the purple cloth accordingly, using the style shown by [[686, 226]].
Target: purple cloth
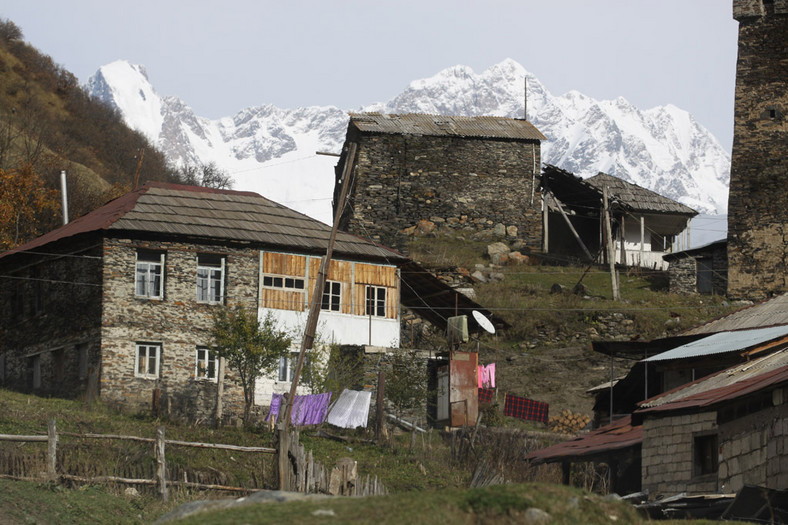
[[307, 410]]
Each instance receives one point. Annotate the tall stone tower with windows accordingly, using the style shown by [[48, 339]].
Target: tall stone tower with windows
[[758, 199]]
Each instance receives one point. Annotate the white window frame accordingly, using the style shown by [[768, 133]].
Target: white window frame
[[287, 366], [375, 306], [332, 290], [145, 275], [151, 351], [204, 359], [213, 281]]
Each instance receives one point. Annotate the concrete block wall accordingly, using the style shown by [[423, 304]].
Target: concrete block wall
[[460, 184], [667, 454]]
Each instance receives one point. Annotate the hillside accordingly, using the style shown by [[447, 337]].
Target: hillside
[[50, 123]]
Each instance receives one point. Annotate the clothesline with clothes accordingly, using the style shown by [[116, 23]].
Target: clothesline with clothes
[[351, 410], [514, 406]]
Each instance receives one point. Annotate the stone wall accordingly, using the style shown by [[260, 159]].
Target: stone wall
[[463, 184], [177, 322], [667, 454], [50, 308], [757, 214], [683, 270]]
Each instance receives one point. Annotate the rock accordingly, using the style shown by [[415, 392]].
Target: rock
[[425, 227], [499, 230], [498, 252], [131, 491], [518, 258], [470, 293], [580, 289], [534, 515], [518, 245], [497, 276], [511, 231], [556, 288], [479, 276], [410, 230]]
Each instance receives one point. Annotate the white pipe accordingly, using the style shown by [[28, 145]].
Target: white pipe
[[64, 193]]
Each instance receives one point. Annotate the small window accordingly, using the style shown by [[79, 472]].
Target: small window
[[332, 295], [207, 365], [705, 454], [283, 282], [376, 301], [287, 366], [82, 353], [148, 360], [210, 279], [150, 275]]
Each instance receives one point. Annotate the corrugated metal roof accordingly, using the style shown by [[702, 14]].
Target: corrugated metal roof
[[732, 383], [723, 342], [222, 215], [771, 312], [440, 125], [615, 436]]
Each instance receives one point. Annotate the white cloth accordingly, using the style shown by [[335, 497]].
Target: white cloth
[[351, 409]]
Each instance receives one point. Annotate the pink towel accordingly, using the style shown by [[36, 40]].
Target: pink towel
[[487, 376]]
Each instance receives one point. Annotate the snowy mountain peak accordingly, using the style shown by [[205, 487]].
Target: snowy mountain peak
[[272, 150]]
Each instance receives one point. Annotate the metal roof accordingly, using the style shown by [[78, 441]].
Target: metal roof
[[723, 342], [729, 384], [616, 436], [218, 215], [771, 312], [441, 125]]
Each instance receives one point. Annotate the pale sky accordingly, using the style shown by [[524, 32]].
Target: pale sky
[[221, 57]]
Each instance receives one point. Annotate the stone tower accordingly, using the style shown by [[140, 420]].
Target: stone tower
[[758, 199]]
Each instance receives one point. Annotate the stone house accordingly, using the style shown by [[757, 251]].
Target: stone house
[[465, 174], [758, 192], [125, 295], [701, 270], [645, 225]]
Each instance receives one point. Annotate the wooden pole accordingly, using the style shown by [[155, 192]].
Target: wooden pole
[[51, 450], [161, 472], [560, 207], [219, 391], [381, 420], [611, 253], [314, 308], [139, 167]]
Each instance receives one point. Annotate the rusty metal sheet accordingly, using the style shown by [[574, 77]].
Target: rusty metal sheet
[[463, 388]]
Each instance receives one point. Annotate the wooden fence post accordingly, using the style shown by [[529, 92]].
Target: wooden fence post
[[51, 450], [381, 419], [162, 470]]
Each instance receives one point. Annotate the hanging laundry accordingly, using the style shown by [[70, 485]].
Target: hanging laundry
[[487, 376], [523, 408], [486, 395], [351, 410], [307, 410]]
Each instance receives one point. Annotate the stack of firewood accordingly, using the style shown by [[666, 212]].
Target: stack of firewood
[[568, 422]]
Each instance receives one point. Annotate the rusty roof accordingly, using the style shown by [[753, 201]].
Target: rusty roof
[[441, 125], [219, 215], [771, 312], [618, 435], [731, 383]]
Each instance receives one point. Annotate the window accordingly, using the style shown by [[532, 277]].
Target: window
[[210, 279], [287, 366], [148, 357], [82, 353], [376, 301], [283, 282], [331, 296], [705, 454], [150, 275], [207, 365]]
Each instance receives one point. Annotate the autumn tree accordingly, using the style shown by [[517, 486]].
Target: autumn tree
[[207, 175], [250, 347], [27, 208]]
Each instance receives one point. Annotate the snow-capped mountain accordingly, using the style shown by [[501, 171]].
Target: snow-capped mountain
[[273, 151]]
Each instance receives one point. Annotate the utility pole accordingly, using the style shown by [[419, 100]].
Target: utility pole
[[611, 252], [314, 308]]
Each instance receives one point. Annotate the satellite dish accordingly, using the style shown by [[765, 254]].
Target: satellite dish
[[483, 322]]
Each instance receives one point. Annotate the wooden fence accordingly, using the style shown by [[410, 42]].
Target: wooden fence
[[298, 471]]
